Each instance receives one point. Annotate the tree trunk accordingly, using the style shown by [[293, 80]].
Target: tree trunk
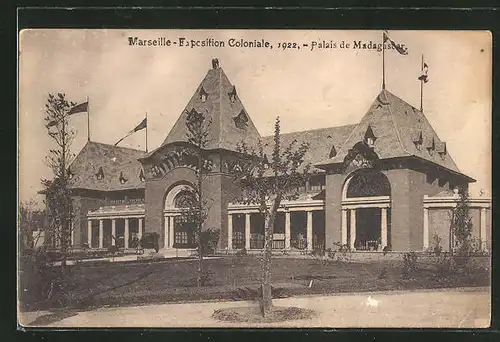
[[200, 261], [267, 299], [199, 220]]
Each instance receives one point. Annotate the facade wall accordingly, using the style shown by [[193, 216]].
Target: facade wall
[[230, 192], [333, 208], [85, 201], [440, 225], [421, 185], [156, 190], [81, 206], [400, 208], [218, 190]]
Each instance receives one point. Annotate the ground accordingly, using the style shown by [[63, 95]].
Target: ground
[[232, 278], [443, 308]]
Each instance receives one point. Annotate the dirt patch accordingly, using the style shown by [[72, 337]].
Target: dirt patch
[[253, 314]]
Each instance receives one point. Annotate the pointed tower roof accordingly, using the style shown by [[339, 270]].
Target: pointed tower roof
[[397, 129], [217, 97]]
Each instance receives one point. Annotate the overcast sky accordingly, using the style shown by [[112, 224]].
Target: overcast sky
[[307, 89]]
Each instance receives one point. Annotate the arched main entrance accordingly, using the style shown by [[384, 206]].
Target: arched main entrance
[[366, 198], [179, 227]]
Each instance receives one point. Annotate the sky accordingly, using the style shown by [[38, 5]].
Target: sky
[[306, 89]]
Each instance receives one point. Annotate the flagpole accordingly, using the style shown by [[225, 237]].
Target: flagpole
[[88, 119], [146, 132], [422, 86], [383, 60]]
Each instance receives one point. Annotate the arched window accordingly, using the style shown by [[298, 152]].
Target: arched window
[[184, 199], [368, 184]]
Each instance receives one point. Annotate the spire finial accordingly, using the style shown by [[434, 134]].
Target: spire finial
[[215, 63]]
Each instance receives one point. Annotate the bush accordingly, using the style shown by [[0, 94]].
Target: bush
[[436, 248], [242, 252], [386, 249], [318, 252], [383, 273], [444, 267], [209, 241], [39, 282], [150, 240], [410, 264], [339, 251], [112, 249]]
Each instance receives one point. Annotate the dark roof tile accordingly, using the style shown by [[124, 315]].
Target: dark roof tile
[[113, 160], [394, 123], [225, 131]]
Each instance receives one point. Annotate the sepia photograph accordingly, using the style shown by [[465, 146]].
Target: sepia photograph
[[254, 178]]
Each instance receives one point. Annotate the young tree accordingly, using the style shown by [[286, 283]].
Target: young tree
[[58, 193], [194, 206], [266, 183], [30, 224], [461, 225]]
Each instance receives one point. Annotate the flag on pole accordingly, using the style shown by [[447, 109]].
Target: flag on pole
[[79, 108], [402, 50], [424, 77], [142, 125]]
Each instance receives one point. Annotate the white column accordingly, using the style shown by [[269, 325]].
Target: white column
[[139, 232], [426, 228], [89, 233], [113, 232], [171, 231], [247, 231], [101, 234], [126, 234], [309, 231], [229, 231], [353, 228], [344, 227], [166, 236], [482, 230], [72, 233], [287, 230], [383, 227]]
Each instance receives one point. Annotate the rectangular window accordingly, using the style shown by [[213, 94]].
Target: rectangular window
[[238, 240], [317, 184], [181, 238]]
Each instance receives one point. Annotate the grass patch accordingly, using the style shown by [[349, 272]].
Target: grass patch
[[231, 278]]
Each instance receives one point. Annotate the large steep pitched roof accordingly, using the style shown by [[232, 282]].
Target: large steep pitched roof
[[321, 141], [224, 112], [113, 160], [400, 130]]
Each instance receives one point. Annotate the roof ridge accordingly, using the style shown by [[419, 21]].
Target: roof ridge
[[427, 123], [311, 130], [396, 126], [114, 146]]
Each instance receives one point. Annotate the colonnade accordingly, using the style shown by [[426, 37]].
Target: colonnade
[[113, 230], [309, 229], [384, 237]]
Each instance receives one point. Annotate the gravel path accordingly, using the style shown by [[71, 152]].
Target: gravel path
[[450, 308]]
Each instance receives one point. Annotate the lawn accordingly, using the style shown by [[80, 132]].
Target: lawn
[[234, 278]]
